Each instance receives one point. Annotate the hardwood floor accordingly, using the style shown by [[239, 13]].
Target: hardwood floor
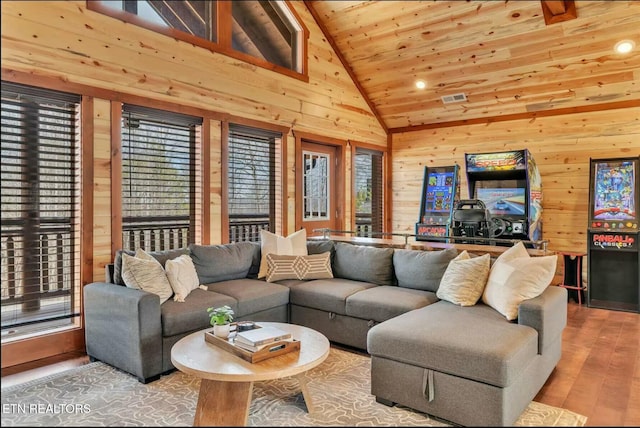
[[598, 375]]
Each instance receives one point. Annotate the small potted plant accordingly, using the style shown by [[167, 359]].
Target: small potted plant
[[220, 318]]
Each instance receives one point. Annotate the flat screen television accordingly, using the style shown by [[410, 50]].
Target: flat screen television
[[503, 200], [614, 192]]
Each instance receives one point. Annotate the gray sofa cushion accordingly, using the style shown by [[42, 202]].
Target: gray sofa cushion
[[183, 317], [319, 247], [326, 294], [161, 256], [222, 262], [420, 269], [387, 301], [252, 295], [361, 263], [474, 342]]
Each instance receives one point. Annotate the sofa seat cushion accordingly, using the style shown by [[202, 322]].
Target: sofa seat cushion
[[252, 295], [190, 315], [474, 342], [326, 294], [387, 301]]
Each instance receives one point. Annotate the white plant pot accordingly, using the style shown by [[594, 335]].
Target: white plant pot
[[222, 330]]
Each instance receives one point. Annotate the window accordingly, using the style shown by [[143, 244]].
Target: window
[[316, 184], [265, 33], [253, 190], [40, 210], [368, 186], [160, 179]]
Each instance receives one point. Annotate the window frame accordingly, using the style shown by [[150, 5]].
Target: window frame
[[223, 36], [74, 275], [355, 147], [281, 177]]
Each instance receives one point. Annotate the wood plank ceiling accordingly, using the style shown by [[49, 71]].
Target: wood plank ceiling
[[502, 55]]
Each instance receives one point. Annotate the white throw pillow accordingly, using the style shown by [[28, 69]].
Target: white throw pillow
[[293, 245], [147, 275], [182, 275], [515, 277], [464, 279]]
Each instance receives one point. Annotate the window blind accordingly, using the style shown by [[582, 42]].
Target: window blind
[[251, 182], [40, 212], [159, 179]]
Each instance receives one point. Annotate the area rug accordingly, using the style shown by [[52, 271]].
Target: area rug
[[99, 395]]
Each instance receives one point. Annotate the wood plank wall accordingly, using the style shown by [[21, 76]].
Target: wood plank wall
[[560, 145]]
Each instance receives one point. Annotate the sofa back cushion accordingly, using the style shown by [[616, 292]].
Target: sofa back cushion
[[362, 263], [215, 263], [421, 270], [161, 256]]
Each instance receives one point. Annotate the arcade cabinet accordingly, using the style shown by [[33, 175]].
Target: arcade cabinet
[[509, 184], [613, 250], [440, 190]]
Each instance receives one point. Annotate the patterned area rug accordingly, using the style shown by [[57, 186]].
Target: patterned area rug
[[99, 395]]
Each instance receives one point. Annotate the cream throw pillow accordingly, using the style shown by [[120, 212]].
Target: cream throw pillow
[[464, 279], [146, 273], [515, 277], [182, 275], [293, 245]]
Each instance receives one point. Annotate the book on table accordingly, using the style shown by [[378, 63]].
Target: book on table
[[251, 348], [261, 336]]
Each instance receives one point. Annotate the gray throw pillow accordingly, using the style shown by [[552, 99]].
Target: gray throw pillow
[[215, 263], [421, 270], [362, 263]]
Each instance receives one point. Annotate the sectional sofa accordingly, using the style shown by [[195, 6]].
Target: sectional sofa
[[466, 364]]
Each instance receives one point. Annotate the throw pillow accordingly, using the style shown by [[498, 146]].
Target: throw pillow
[[421, 270], [515, 277], [293, 245], [182, 276], [315, 266], [215, 263], [146, 275], [465, 279], [362, 263]]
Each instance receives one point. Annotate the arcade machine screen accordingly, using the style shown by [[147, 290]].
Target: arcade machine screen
[[614, 201], [439, 193], [503, 201]]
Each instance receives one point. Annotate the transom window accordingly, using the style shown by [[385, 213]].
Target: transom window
[[266, 33]]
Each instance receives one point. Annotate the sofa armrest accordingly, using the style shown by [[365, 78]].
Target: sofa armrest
[[547, 313], [123, 328]]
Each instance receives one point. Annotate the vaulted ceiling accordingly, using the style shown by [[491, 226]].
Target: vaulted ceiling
[[508, 58]]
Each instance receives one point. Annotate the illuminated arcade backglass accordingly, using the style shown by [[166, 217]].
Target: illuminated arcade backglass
[[510, 186], [613, 249], [440, 190]]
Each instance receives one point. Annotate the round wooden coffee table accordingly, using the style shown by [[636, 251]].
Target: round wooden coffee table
[[227, 379]]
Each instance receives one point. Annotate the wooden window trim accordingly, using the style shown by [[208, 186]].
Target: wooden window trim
[[385, 173], [223, 28]]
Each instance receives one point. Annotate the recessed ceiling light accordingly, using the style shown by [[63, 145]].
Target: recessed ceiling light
[[421, 84], [625, 46]]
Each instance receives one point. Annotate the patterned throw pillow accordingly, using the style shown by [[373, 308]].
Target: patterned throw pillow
[[146, 273], [315, 266], [515, 277], [464, 280], [293, 245]]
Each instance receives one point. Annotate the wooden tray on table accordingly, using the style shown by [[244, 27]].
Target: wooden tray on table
[[271, 350]]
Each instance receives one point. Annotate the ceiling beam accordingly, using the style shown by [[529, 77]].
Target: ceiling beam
[[336, 50], [558, 10]]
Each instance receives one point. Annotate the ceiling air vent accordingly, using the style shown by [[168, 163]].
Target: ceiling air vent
[[455, 98]]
